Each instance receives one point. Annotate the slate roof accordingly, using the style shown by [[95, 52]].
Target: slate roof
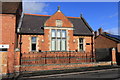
[[10, 7], [115, 38], [33, 24]]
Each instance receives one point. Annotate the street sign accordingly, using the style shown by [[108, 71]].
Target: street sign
[[4, 46]]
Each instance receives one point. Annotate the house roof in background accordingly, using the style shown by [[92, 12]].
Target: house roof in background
[[33, 24], [115, 38], [10, 7]]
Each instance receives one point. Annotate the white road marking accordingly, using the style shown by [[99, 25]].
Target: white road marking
[[65, 74]]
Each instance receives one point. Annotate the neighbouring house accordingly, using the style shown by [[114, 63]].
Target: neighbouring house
[[104, 42], [9, 18]]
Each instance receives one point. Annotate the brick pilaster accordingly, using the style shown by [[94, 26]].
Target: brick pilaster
[[114, 56]]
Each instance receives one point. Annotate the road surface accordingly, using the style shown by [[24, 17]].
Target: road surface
[[107, 74]]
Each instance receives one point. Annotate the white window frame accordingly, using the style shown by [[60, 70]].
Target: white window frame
[[79, 44], [33, 43], [61, 38]]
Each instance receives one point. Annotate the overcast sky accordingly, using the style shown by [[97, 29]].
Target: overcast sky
[[97, 14]]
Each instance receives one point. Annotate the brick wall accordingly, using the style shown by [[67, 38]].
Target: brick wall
[[43, 42], [118, 47], [8, 37], [58, 16], [37, 61], [4, 61], [103, 42], [70, 41]]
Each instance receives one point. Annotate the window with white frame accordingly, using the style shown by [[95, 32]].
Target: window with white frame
[[33, 43], [81, 44], [59, 23], [58, 40]]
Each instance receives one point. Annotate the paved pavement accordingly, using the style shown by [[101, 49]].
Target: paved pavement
[[110, 74]]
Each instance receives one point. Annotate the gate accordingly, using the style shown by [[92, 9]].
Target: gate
[[118, 58], [103, 54]]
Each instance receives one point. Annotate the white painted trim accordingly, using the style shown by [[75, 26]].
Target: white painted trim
[[78, 44], [37, 47], [84, 48], [67, 28], [50, 40], [17, 66], [67, 38], [29, 43], [58, 11]]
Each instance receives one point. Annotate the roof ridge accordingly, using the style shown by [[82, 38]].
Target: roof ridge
[[49, 15], [36, 14], [72, 17], [112, 38], [86, 23]]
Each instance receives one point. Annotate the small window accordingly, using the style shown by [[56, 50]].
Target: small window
[[59, 23], [81, 45], [33, 43]]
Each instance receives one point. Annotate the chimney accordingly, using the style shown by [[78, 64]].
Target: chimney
[[95, 33], [100, 31]]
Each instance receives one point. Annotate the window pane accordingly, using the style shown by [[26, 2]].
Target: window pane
[[81, 46], [63, 43], [33, 39], [63, 33], [58, 44], [81, 40], [53, 33], [33, 47], [53, 44], [58, 33]]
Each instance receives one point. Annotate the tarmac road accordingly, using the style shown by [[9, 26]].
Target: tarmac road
[[106, 74]]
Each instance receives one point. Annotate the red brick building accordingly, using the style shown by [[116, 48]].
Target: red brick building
[[106, 41], [29, 40], [9, 18], [55, 33]]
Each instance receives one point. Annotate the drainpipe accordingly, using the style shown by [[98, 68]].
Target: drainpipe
[[20, 42], [18, 50], [20, 22]]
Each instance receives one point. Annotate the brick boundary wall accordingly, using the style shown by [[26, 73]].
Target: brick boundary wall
[[35, 61], [39, 61]]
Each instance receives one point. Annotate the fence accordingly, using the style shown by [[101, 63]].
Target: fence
[[50, 60]]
